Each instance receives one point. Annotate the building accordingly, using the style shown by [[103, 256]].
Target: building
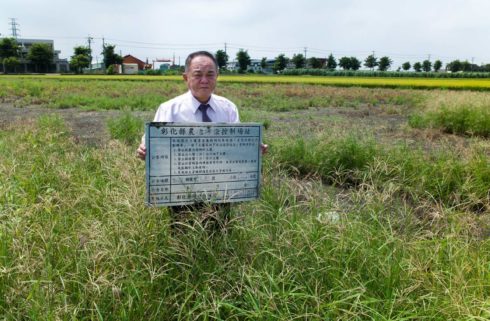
[[131, 60], [255, 66], [58, 65]]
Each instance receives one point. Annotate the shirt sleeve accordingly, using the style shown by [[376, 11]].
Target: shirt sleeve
[[234, 116], [162, 114]]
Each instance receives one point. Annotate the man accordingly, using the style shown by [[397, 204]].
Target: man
[[199, 104]]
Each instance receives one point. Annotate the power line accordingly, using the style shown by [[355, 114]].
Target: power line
[[131, 44], [163, 44]]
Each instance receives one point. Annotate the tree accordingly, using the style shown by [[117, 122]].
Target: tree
[[41, 54], [437, 65], [426, 65], [263, 63], [355, 63], [406, 66], [465, 66], [280, 63], [298, 61], [417, 66], [349, 63], [371, 61], [221, 58], [315, 63], [110, 57], [331, 62], [243, 60], [345, 63], [384, 63], [454, 66], [8, 48], [471, 67], [80, 59], [10, 63]]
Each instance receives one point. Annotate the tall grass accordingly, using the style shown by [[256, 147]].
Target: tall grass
[[76, 242], [439, 176], [127, 128], [462, 114], [89, 95], [461, 120]]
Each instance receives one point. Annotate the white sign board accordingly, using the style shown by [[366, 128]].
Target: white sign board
[[202, 162]]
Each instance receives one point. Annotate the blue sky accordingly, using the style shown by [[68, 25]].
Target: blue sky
[[403, 30]]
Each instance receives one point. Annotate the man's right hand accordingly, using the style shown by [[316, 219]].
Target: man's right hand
[[141, 151]]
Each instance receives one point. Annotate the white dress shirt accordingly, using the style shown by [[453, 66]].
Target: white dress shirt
[[185, 109]]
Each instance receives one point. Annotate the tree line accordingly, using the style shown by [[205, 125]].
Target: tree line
[[298, 61], [41, 56]]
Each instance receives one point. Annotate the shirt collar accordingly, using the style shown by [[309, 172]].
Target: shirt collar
[[196, 103]]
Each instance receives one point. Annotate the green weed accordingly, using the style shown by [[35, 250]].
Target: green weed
[[463, 120], [438, 176], [333, 160], [126, 128], [463, 114]]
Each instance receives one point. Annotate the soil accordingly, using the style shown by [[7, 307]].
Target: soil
[[88, 127]]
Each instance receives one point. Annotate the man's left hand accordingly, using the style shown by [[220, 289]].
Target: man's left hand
[[264, 148]]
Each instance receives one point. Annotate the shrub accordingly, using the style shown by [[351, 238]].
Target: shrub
[[111, 70]]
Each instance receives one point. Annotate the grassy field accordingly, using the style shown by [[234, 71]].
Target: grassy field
[[375, 206]]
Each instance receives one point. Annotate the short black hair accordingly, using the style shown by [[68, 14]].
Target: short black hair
[[197, 54]]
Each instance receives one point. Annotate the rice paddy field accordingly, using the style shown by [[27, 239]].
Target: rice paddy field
[[375, 204], [373, 82]]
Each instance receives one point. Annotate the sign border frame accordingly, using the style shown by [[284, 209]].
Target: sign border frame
[[180, 124]]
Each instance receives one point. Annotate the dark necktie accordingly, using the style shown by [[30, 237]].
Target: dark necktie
[[204, 110]]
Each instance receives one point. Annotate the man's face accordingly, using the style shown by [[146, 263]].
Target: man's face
[[201, 78]]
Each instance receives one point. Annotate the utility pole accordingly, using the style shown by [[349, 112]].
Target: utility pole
[[225, 47], [103, 48], [306, 49], [89, 40], [13, 27]]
